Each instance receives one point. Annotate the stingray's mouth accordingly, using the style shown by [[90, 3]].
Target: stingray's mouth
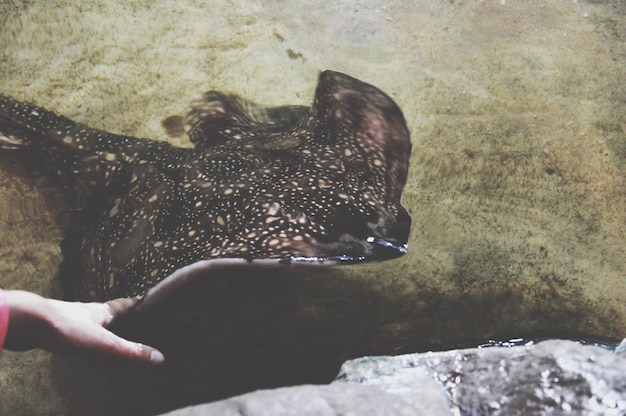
[[378, 250], [386, 249]]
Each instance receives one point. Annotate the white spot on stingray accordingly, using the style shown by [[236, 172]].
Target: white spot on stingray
[[113, 212], [273, 209]]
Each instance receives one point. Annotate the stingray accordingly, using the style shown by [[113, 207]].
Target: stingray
[[269, 187]]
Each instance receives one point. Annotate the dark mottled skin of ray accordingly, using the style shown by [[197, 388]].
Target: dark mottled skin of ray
[[259, 183]]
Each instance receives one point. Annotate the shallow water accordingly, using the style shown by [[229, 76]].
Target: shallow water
[[516, 187]]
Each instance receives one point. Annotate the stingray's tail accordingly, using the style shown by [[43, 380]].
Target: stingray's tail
[[24, 125], [71, 152], [13, 128]]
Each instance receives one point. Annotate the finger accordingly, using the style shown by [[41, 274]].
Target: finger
[[135, 351], [150, 355], [122, 347]]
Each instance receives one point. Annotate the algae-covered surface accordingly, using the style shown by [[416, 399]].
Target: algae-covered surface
[[516, 188]]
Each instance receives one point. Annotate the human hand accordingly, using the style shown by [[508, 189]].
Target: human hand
[[71, 327]]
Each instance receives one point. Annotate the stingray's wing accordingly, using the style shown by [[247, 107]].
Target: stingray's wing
[[215, 118]]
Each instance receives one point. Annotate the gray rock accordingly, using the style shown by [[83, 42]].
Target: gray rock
[[552, 377], [415, 386], [333, 400]]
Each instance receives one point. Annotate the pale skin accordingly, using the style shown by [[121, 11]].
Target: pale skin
[[71, 328]]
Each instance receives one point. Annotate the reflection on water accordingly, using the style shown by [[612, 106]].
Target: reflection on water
[[518, 342]]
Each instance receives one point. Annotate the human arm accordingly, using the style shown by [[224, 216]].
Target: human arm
[[70, 327]]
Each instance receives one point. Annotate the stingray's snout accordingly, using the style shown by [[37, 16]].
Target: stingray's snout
[[392, 240], [386, 249]]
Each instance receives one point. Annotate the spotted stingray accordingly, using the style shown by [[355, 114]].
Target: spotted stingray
[[281, 185]]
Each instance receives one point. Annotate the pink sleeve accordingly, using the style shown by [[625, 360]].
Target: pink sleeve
[[4, 318]]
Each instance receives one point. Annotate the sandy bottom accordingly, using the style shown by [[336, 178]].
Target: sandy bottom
[[518, 118]]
